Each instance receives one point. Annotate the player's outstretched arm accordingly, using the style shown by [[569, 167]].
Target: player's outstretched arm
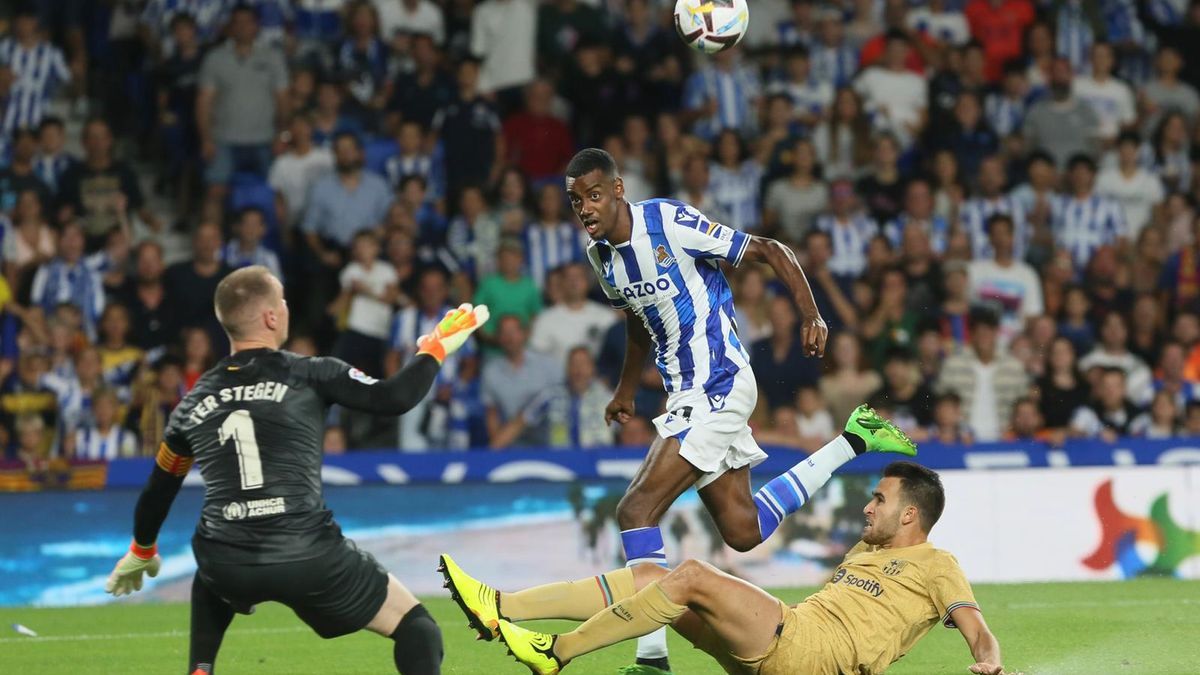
[[985, 648], [152, 508], [781, 259], [341, 384], [637, 346]]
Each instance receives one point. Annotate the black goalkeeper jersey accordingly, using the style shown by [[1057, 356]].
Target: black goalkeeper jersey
[[255, 425]]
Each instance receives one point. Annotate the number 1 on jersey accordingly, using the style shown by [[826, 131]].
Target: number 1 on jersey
[[239, 428]]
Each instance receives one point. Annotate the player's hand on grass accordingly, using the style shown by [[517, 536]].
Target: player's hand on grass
[[990, 669], [618, 410], [126, 577], [813, 333], [452, 331]]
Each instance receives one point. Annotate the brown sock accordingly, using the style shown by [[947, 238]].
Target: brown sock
[[642, 614], [575, 600]]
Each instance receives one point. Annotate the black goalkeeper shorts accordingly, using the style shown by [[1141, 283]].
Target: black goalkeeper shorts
[[336, 593]]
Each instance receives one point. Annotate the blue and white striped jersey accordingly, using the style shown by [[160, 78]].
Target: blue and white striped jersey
[[849, 242], [735, 92], [37, 71], [1081, 226], [834, 64], [548, 247], [936, 227], [1073, 35], [668, 274], [974, 215], [233, 256]]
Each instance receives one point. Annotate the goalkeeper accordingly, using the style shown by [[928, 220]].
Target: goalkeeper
[[254, 425]]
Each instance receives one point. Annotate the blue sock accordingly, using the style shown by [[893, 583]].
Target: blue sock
[[785, 494], [644, 545]]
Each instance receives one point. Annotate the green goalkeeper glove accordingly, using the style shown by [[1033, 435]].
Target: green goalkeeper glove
[[126, 577], [452, 331]]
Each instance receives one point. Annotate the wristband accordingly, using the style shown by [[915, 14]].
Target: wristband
[[143, 552], [433, 347]]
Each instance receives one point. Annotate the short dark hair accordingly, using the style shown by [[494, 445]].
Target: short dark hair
[[247, 210], [1000, 218], [348, 134], [949, 397], [591, 159], [920, 487], [1081, 159], [982, 315], [1129, 137], [238, 293], [413, 178], [1040, 156], [50, 121]]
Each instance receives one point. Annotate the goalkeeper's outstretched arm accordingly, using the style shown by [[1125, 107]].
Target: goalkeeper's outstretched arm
[[152, 508]]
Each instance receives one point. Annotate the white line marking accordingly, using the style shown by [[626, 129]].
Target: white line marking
[[138, 636], [1102, 603]]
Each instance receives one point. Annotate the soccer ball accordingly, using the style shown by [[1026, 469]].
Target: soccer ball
[[711, 25]]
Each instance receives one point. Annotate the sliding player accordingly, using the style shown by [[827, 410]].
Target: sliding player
[[254, 424], [658, 260], [891, 588]]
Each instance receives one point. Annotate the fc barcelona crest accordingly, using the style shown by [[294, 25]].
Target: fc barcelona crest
[[895, 567]]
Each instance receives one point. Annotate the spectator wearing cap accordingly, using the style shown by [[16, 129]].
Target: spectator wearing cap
[[1083, 221], [1005, 282], [510, 291], [1136, 189], [1062, 124], [66, 279], [985, 377], [850, 231], [242, 99], [469, 130], [38, 68], [411, 17], [893, 92]]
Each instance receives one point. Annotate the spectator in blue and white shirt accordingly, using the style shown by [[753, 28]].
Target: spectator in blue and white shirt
[[736, 182], [799, 29], [52, 160], [209, 17], [849, 229], [833, 61], [946, 26], [1077, 25], [918, 212], [551, 241], [104, 437], [66, 279], [414, 161], [723, 95], [567, 416], [246, 247], [1083, 221], [810, 98], [38, 67], [991, 200], [1005, 109]]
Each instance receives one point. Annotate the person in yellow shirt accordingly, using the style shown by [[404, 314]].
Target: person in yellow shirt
[[890, 589]]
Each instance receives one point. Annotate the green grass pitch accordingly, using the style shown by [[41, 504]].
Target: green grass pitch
[[1147, 626]]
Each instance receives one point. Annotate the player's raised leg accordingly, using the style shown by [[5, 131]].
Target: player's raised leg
[[741, 616], [662, 477], [417, 638]]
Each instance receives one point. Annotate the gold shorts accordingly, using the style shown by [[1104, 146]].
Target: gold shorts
[[801, 647]]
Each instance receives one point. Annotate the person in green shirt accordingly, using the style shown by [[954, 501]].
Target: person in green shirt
[[510, 291]]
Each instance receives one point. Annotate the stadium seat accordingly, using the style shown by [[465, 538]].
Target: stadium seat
[[250, 190]]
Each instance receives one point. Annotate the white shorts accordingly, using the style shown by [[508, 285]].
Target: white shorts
[[713, 433]]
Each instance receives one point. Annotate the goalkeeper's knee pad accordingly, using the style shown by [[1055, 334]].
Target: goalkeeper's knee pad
[[418, 639]]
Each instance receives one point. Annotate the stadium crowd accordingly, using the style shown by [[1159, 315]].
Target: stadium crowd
[[993, 201]]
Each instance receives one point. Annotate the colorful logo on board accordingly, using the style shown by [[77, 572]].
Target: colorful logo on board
[[1121, 533]]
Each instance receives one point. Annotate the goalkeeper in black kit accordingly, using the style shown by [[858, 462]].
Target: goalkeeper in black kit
[[254, 426]]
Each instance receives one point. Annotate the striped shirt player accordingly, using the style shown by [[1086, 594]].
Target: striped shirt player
[[236, 258], [668, 276], [975, 214], [849, 238], [833, 64], [548, 247], [91, 443], [1083, 225], [37, 71], [736, 92]]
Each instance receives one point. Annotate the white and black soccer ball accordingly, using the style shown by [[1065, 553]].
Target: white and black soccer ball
[[711, 26]]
